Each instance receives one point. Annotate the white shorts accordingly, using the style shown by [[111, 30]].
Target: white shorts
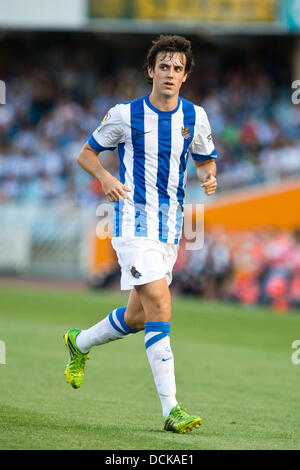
[[143, 260]]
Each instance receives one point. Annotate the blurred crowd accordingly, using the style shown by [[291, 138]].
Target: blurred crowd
[[57, 95], [261, 266]]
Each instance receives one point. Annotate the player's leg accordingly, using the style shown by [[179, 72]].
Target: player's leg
[[156, 301], [134, 315], [114, 326], [118, 324]]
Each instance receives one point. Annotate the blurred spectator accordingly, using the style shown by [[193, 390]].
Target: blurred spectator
[[204, 271]]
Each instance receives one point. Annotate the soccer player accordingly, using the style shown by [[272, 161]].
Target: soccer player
[[154, 135]]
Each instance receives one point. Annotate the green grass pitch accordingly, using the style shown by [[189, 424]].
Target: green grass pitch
[[233, 367]]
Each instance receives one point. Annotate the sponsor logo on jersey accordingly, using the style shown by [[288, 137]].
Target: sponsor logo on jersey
[[141, 133], [209, 137]]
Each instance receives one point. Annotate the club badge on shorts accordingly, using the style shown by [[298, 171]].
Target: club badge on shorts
[[135, 273]]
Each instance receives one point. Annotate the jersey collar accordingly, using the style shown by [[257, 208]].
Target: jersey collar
[[158, 111]]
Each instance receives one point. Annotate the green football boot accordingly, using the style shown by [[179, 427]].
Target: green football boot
[[75, 367], [180, 422]]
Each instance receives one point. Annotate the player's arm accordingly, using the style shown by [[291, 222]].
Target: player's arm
[[106, 137], [206, 172], [204, 153], [113, 189]]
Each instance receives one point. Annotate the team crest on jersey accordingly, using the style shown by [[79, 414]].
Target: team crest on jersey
[[135, 273], [185, 132]]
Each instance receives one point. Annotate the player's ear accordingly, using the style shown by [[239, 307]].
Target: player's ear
[[150, 72], [184, 78]]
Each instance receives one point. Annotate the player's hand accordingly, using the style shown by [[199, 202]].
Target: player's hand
[[210, 184], [113, 189]]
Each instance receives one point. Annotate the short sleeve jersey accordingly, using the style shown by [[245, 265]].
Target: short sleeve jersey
[[153, 148]]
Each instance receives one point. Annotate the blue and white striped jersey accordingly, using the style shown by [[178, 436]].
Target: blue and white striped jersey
[[153, 148]]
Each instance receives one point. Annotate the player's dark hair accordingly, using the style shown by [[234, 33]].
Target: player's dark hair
[[169, 43]]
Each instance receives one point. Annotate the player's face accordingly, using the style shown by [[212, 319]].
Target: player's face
[[169, 73]]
